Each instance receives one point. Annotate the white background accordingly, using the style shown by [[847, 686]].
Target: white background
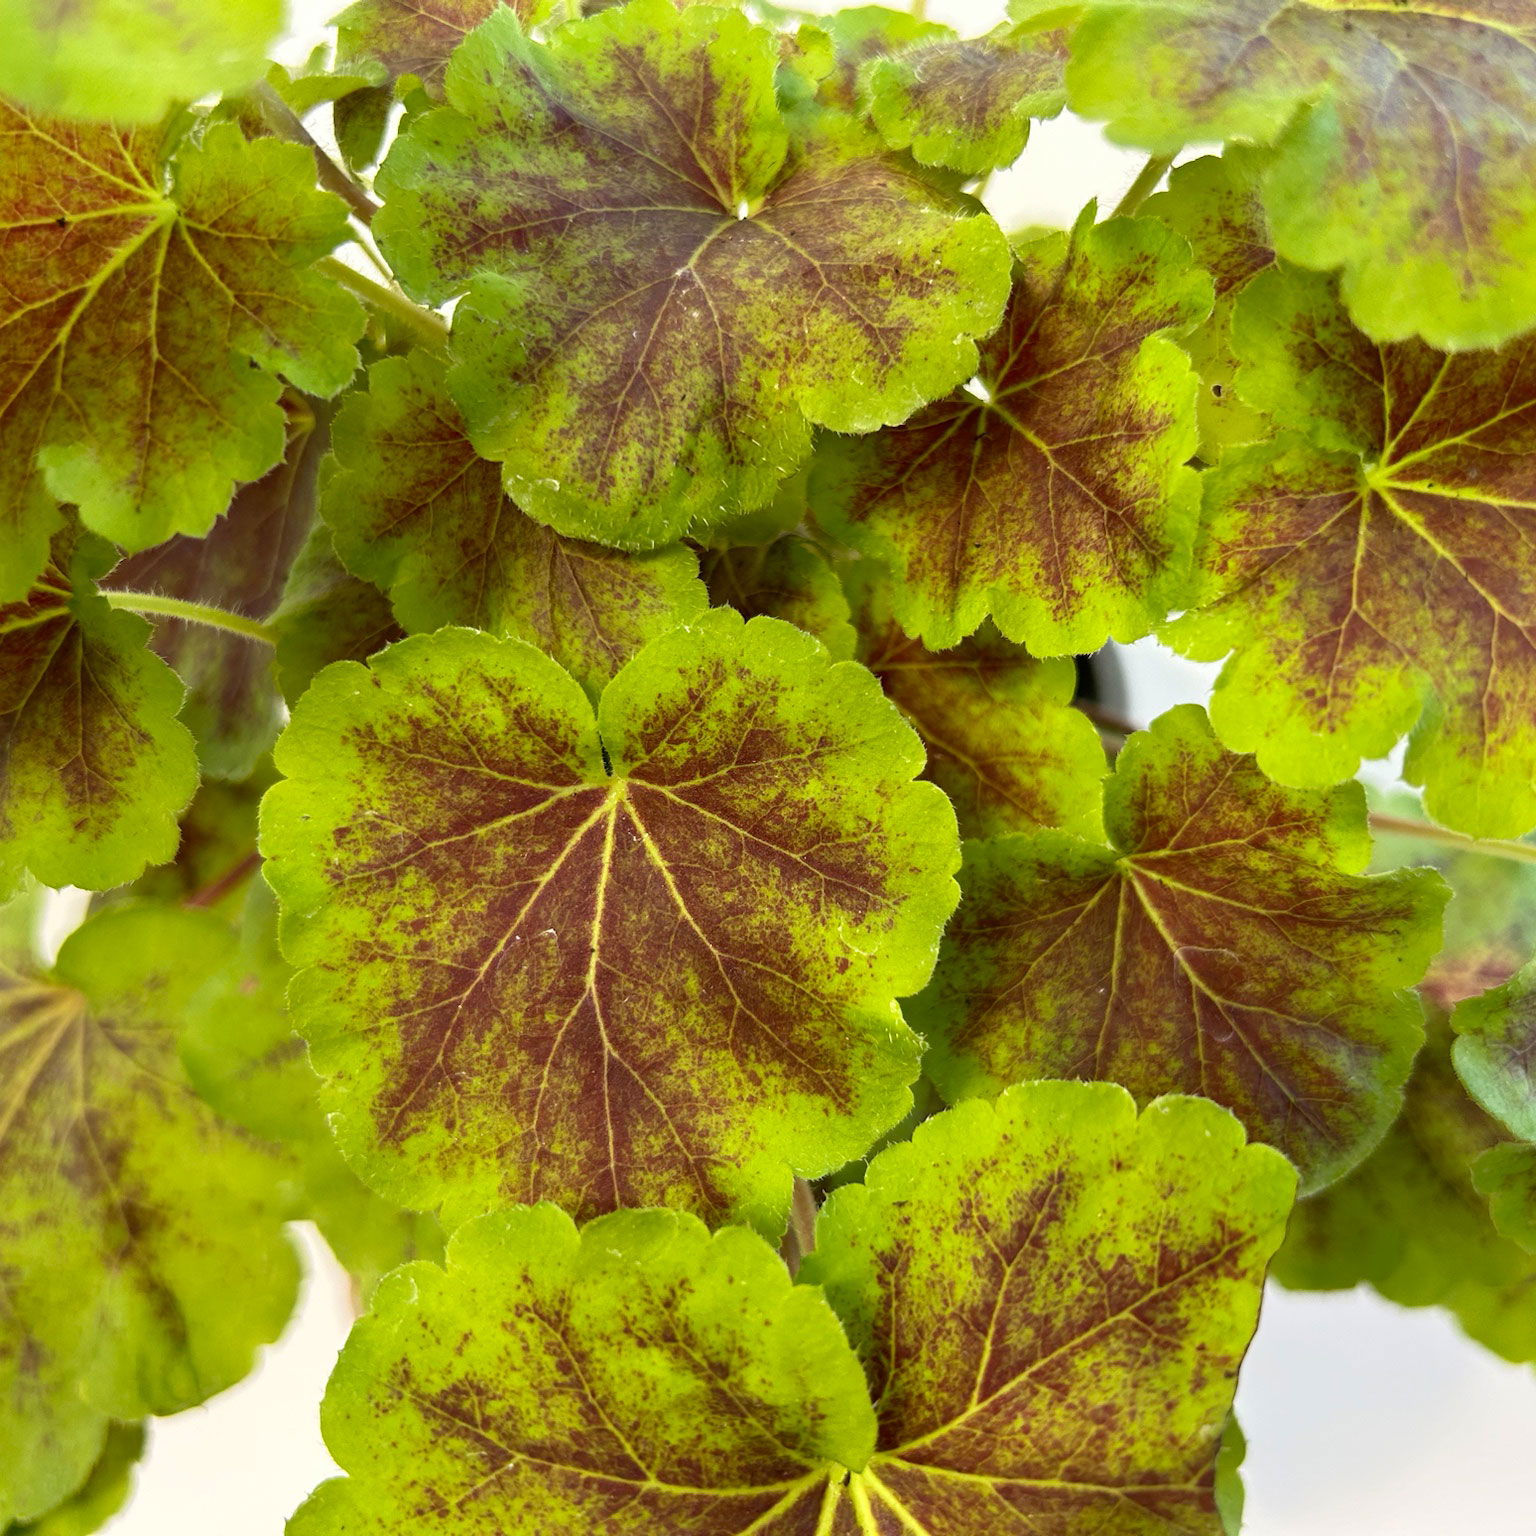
[[1363, 1419]]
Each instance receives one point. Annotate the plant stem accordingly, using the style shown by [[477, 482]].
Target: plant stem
[[428, 327], [284, 122], [1144, 185], [800, 1239], [1496, 848], [193, 613], [222, 885]]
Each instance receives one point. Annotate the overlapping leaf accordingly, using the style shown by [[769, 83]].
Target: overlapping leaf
[[665, 292], [128, 60], [415, 37], [1223, 944], [233, 707], [1053, 1261], [1495, 1051], [133, 308], [1003, 740], [413, 508], [129, 1215], [94, 766], [1375, 575], [102, 1494], [967, 102], [646, 957], [1406, 137], [1054, 496], [786, 578]]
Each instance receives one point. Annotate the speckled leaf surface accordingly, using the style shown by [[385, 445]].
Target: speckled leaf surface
[[129, 1213], [643, 1376], [1003, 740], [665, 292], [1406, 136], [967, 103], [94, 766], [787, 578], [233, 707], [135, 302], [1051, 1297], [1224, 943], [533, 973], [1495, 1051], [416, 37], [1370, 569], [128, 60], [413, 508], [1059, 504]]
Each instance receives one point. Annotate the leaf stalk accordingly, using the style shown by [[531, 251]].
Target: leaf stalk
[[193, 613], [1145, 184], [429, 328]]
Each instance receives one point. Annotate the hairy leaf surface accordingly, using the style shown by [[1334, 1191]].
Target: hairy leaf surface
[[664, 291], [1406, 136], [94, 765], [645, 957], [413, 508], [1055, 499], [133, 308], [129, 1214], [1374, 574], [642, 1376], [1223, 944]]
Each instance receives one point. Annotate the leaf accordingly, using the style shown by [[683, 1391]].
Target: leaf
[[1055, 497], [1506, 1174], [967, 102], [129, 1214], [824, 58], [216, 858], [102, 1494], [552, 955], [131, 315], [1495, 1051], [1376, 579], [1214, 203], [1411, 1222], [415, 37], [1003, 740], [643, 1376], [1223, 944], [1405, 134], [412, 508], [233, 706], [128, 60], [655, 319], [326, 615], [788, 578], [94, 766]]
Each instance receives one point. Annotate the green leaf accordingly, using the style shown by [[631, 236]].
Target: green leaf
[[102, 1494], [1222, 944], [1052, 1261], [1055, 1262], [1003, 740], [1411, 1222], [788, 579], [129, 1214], [131, 315], [1506, 1175], [1059, 504], [216, 857], [128, 60], [233, 707], [412, 508], [415, 37], [967, 102], [327, 614], [832, 53], [655, 318], [648, 956], [1405, 132], [1215, 204], [1495, 1051], [1376, 578], [94, 766]]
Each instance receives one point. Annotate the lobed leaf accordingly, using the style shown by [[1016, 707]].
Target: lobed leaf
[[1405, 137], [1495, 1051], [416, 37], [658, 312], [1053, 496], [553, 955], [1222, 944], [787, 578], [1368, 569]]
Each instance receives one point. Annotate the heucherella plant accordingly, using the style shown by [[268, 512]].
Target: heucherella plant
[[553, 577]]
